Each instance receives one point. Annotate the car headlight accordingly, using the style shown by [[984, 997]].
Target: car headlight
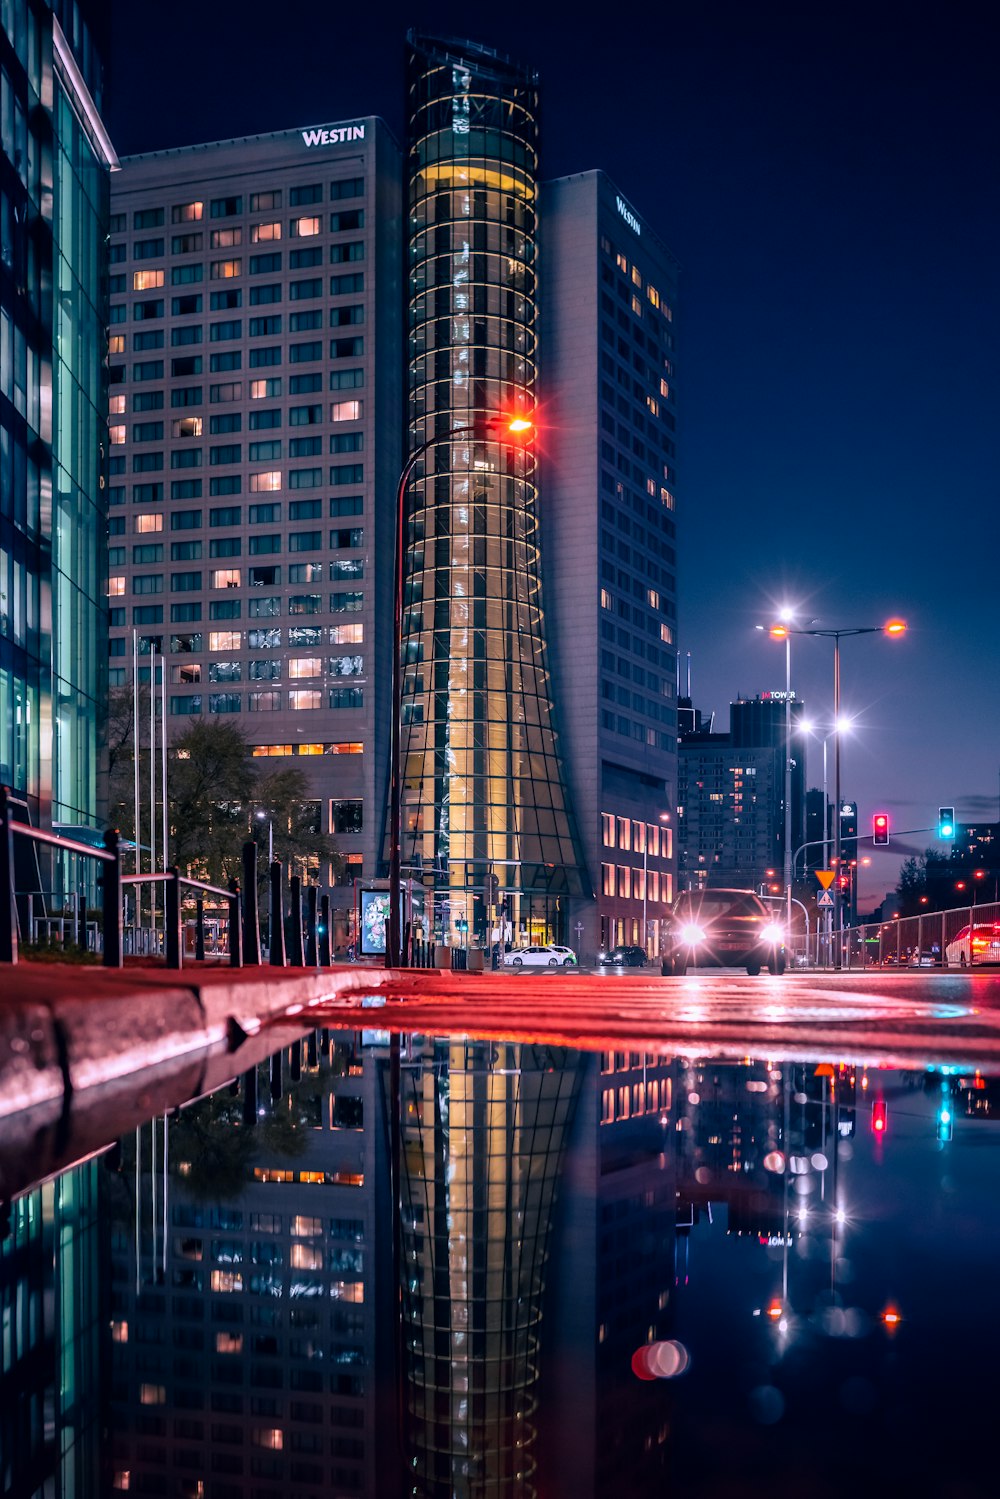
[[692, 934], [773, 934]]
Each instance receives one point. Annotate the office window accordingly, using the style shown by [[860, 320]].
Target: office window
[[147, 249], [224, 609], [187, 364], [301, 260], [184, 520], [224, 702], [225, 208], [269, 354], [347, 473], [263, 452], [268, 607], [304, 322], [305, 478], [232, 359], [147, 463], [265, 545], [304, 353], [187, 426], [184, 614], [353, 250], [186, 213], [347, 379], [341, 603], [346, 411], [267, 293], [220, 332], [225, 515], [348, 537], [262, 233], [186, 395], [146, 523], [265, 515], [347, 697], [261, 202], [350, 281], [268, 480], [148, 614], [347, 442], [186, 458], [305, 509], [300, 698], [346, 348], [225, 484], [343, 317], [186, 705], [304, 603], [263, 702], [185, 275], [188, 582], [226, 421], [265, 327], [225, 546], [347, 218], [264, 639], [304, 227], [305, 572], [224, 270], [225, 239], [303, 385], [147, 280], [301, 290], [267, 388], [305, 541], [230, 390], [147, 369], [185, 551], [185, 489]]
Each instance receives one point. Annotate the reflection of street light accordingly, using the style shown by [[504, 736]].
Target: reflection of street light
[[892, 628], [515, 431]]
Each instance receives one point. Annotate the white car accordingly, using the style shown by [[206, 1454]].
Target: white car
[[549, 955], [985, 945]]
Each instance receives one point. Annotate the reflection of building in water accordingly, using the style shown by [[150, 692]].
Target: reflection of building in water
[[51, 1353], [244, 1291], [483, 1133], [730, 1118], [606, 1432]]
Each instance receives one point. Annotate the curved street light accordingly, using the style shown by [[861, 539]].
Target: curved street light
[[514, 430]]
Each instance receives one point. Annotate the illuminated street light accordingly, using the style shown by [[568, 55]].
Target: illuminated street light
[[892, 628], [516, 431]]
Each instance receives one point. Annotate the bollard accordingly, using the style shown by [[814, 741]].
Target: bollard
[[276, 917], [295, 922], [312, 950], [111, 901], [250, 1097], [8, 909], [251, 923], [235, 926], [172, 919], [199, 929], [324, 932]]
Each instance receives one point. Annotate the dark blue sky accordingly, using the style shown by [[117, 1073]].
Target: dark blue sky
[[827, 178]]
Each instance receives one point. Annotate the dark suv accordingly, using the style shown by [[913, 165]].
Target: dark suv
[[623, 957], [731, 927]]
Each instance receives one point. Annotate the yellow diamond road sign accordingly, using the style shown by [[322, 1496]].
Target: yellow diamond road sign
[[825, 877]]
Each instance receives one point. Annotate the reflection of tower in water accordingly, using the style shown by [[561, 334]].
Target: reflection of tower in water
[[483, 1133]]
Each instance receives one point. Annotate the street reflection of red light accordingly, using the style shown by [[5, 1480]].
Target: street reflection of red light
[[890, 1319], [775, 1310]]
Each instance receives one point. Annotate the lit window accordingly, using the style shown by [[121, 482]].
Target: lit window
[[667, 498], [119, 1332], [300, 698], [608, 829], [227, 1280], [653, 405], [116, 434], [606, 599], [637, 306], [122, 1479], [621, 262], [225, 239], [636, 278], [346, 411], [306, 1257], [665, 390], [653, 295], [224, 577], [304, 666], [304, 228], [260, 233], [347, 634], [653, 836], [116, 588], [302, 1226], [266, 482], [222, 270], [625, 881], [116, 406], [666, 635], [260, 390], [146, 280], [271, 749], [624, 832], [273, 1438], [346, 1290], [188, 426], [229, 1342], [639, 837], [152, 1394], [608, 878], [116, 343], [653, 598], [186, 213], [148, 522], [224, 640]]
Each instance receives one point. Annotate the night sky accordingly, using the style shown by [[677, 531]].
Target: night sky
[[827, 178]]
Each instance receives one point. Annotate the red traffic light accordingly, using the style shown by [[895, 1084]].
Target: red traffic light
[[880, 1116], [880, 828]]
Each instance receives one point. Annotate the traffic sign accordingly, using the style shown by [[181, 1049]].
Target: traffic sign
[[825, 877], [824, 900]]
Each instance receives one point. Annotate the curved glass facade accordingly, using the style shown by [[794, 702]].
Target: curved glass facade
[[482, 785], [484, 1130]]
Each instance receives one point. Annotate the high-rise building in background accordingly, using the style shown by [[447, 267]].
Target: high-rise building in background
[[254, 423], [608, 537], [258, 431], [731, 798], [56, 158]]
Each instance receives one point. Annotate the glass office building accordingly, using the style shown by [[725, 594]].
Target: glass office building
[[56, 157], [486, 828]]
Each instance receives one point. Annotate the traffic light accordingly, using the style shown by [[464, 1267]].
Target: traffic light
[[880, 828], [946, 822], [945, 1123], [880, 1116]]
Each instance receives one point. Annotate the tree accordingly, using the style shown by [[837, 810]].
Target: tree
[[218, 796], [912, 883]]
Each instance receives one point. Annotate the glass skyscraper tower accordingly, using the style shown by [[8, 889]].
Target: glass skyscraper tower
[[485, 824], [54, 166]]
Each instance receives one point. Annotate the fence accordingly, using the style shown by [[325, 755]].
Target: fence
[[299, 928], [965, 936]]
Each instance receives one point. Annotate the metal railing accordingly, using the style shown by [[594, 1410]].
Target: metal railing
[[308, 922]]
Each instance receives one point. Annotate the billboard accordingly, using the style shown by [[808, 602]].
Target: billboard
[[373, 921]]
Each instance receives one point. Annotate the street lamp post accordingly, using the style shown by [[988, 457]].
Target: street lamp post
[[270, 835], [516, 431], [892, 628]]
